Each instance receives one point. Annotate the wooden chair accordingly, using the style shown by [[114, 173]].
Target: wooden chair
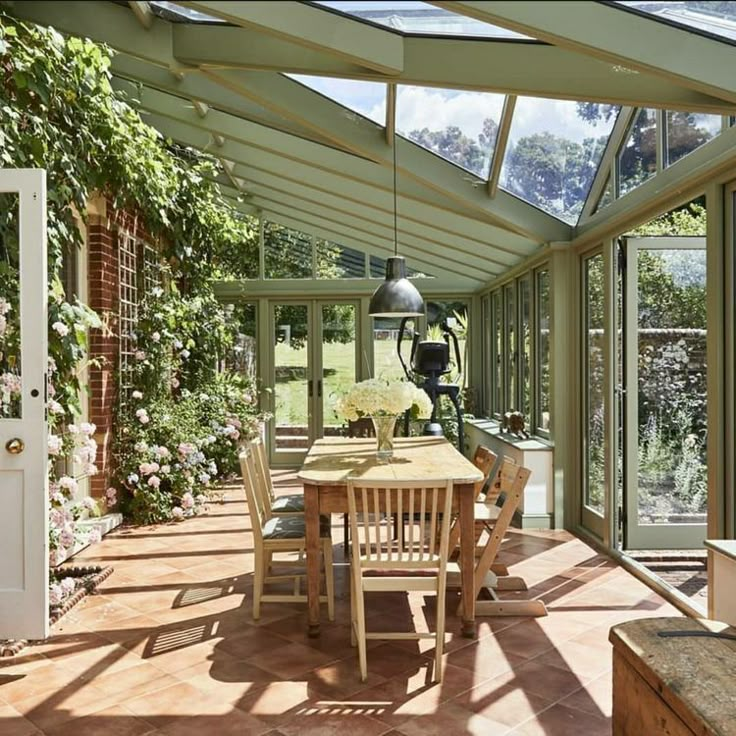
[[420, 549], [292, 503], [512, 479], [274, 534], [483, 459]]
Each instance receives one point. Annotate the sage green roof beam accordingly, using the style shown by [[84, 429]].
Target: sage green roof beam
[[444, 178], [345, 236], [278, 175], [104, 22], [520, 68], [499, 147], [343, 184], [607, 166], [310, 27], [390, 125], [610, 34], [289, 98], [685, 179], [143, 12], [272, 187], [371, 233], [197, 86], [244, 290], [443, 257]]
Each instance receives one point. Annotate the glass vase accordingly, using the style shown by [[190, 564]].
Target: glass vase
[[384, 426]]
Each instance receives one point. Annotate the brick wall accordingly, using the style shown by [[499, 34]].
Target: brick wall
[[105, 227]]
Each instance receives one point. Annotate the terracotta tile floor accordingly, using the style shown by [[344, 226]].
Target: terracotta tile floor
[[169, 646]]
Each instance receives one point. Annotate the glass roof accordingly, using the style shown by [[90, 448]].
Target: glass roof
[[460, 126], [553, 152], [420, 18], [714, 18], [366, 98], [182, 14]]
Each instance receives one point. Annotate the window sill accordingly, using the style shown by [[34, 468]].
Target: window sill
[[492, 427]]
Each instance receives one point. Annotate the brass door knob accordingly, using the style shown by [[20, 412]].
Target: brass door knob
[[15, 446]]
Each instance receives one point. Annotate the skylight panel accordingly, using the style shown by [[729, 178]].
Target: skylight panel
[[366, 98], [457, 125], [553, 152], [420, 18]]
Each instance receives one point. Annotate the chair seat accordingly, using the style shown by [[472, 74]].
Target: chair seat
[[291, 503], [293, 527]]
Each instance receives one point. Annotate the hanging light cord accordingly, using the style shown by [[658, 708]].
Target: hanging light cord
[[396, 225]]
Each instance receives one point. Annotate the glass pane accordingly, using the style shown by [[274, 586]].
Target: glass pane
[[243, 356], [419, 18], [336, 261], [453, 314], [716, 18], [553, 152], [497, 347], [291, 356], [366, 98], [637, 160], [385, 358], [510, 347], [457, 125], [671, 344], [338, 360], [687, 131], [10, 373], [607, 196], [544, 311], [487, 355], [525, 348], [378, 270], [593, 381], [287, 253]]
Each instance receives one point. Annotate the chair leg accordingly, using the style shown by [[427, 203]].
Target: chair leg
[[346, 535], [329, 578], [360, 621], [258, 575], [440, 642], [353, 614]]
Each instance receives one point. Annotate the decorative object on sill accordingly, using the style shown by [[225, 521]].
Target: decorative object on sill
[[396, 296], [383, 401], [513, 423]]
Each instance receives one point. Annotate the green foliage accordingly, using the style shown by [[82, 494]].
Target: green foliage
[[688, 220]]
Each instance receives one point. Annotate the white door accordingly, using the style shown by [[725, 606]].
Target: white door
[[23, 432]]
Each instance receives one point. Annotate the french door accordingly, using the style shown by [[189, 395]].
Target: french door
[[665, 485], [314, 358], [23, 432]]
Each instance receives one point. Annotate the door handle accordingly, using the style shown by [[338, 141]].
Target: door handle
[[319, 388], [310, 390], [15, 446]]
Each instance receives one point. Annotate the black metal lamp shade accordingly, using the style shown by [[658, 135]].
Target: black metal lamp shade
[[396, 296]]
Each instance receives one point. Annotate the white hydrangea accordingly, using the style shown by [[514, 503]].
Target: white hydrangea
[[377, 396]]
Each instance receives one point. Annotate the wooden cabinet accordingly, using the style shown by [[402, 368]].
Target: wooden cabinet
[[722, 580], [680, 686]]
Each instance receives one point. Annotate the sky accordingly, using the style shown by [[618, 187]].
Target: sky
[[434, 108]]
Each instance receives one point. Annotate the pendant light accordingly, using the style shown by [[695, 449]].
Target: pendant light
[[396, 296]]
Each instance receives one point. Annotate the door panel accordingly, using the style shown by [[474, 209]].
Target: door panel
[[292, 382], [665, 369], [23, 432]]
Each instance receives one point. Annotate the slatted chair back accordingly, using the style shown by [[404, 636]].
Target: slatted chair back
[[494, 486], [260, 461], [259, 512], [484, 459], [421, 544], [512, 480]]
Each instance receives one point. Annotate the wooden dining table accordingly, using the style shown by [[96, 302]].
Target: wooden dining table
[[332, 460]]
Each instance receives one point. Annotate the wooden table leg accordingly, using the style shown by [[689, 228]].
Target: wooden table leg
[[467, 557], [311, 518]]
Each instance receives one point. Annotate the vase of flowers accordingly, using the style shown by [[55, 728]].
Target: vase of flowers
[[384, 401]]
